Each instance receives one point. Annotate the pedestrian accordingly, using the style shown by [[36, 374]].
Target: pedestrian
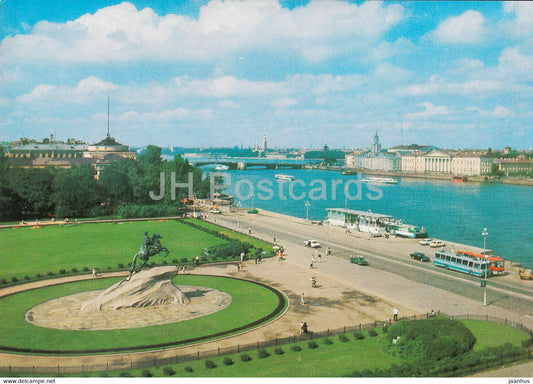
[[94, 272], [301, 327], [311, 265], [319, 257], [302, 299], [242, 257], [249, 231], [274, 239], [196, 261], [255, 258], [395, 314], [183, 270], [240, 267], [304, 328]]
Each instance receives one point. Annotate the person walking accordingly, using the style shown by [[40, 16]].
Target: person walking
[[302, 299], [395, 314]]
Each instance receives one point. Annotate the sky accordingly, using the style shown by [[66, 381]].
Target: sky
[[308, 73]]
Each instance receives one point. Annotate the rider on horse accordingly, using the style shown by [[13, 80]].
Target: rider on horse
[[150, 247]]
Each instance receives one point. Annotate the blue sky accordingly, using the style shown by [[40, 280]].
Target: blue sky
[[219, 73]]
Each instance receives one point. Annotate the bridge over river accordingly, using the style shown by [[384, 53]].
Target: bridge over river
[[251, 163]]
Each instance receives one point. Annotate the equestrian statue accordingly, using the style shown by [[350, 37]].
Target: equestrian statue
[[151, 247]]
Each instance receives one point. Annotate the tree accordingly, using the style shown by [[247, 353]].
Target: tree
[[116, 184], [76, 191]]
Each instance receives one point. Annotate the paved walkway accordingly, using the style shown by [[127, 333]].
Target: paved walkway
[[347, 294]]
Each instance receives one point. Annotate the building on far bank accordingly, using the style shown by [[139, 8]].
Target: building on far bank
[[471, 164], [375, 160], [58, 154], [447, 162], [520, 165]]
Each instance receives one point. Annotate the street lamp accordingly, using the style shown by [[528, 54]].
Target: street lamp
[[485, 234], [238, 215], [307, 205]]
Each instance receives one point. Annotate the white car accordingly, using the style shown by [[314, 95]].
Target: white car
[[425, 241], [216, 211], [312, 243], [436, 244]]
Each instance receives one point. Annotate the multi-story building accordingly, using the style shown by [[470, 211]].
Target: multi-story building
[[374, 160], [520, 165], [467, 164]]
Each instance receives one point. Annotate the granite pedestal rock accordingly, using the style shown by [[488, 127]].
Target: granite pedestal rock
[[146, 288]]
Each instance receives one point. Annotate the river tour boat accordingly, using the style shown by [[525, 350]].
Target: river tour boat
[[375, 224], [459, 179], [380, 180], [285, 177]]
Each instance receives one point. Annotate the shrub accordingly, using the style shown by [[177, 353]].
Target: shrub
[[124, 374], [38, 275], [227, 361], [164, 262], [312, 345], [372, 333], [245, 357], [358, 335], [385, 329], [85, 269], [184, 260], [262, 353], [328, 341], [175, 261], [188, 368], [120, 265], [3, 281], [14, 279], [210, 364], [74, 270], [278, 351], [62, 271], [146, 373], [50, 273], [343, 338], [26, 277], [168, 371], [296, 348]]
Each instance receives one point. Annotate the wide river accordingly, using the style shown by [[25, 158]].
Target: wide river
[[456, 212]]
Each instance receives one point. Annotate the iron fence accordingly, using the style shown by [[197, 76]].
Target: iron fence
[[123, 363]]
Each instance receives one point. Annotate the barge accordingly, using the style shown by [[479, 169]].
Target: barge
[[374, 223]]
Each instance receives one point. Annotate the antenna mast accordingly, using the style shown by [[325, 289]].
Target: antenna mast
[[107, 116]]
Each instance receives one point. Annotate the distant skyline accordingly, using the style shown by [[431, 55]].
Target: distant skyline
[[219, 73]]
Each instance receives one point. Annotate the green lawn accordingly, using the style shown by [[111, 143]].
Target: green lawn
[[28, 251], [492, 334], [333, 360], [16, 332]]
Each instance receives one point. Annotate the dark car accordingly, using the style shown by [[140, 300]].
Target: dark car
[[419, 256]]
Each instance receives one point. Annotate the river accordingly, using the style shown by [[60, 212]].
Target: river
[[456, 212]]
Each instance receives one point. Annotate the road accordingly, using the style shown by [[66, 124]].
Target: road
[[389, 255]]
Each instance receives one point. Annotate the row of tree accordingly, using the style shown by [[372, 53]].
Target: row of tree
[[122, 189]]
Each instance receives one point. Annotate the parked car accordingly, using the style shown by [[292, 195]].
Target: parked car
[[253, 211], [359, 260], [216, 211], [425, 241], [419, 256], [312, 243], [436, 244]]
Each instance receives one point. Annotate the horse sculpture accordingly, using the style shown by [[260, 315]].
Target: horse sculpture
[[151, 247]]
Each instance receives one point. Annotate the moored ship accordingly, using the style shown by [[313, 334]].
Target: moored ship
[[380, 180], [374, 223], [285, 177]]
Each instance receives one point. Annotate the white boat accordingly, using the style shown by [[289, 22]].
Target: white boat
[[221, 167], [285, 177], [374, 223], [380, 180]]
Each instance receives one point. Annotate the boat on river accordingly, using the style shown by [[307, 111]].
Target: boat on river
[[380, 180], [285, 177], [375, 224]]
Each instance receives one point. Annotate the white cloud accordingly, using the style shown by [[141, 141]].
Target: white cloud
[[500, 112], [522, 25], [429, 111], [285, 102], [466, 28], [85, 92], [121, 33]]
